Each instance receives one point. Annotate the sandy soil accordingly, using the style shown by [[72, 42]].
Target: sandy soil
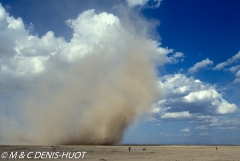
[[112, 153]]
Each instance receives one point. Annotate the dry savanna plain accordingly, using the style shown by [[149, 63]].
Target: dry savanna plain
[[114, 153]]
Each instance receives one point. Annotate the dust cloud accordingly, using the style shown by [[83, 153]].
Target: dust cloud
[[92, 98]]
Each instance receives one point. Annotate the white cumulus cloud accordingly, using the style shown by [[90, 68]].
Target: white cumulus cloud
[[204, 134], [154, 3], [20, 52], [233, 69], [200, 65], [230, 61], [186, 130], [25, 54], [173, 115], [238, 73], [175, 58], [203, 127], [186, 97], [236, 81]]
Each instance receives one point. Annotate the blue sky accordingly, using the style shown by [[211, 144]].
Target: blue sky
[[195, 51]]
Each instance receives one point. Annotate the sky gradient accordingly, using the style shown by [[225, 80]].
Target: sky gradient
[[194, 46]]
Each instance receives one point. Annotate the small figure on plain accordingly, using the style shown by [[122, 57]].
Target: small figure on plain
[[53, 148], [216, 148], [129, 148]]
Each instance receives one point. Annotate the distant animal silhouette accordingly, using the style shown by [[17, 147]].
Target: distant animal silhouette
[[129, 148]]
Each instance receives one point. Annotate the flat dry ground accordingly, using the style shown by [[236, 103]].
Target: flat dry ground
[[155, 153]]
